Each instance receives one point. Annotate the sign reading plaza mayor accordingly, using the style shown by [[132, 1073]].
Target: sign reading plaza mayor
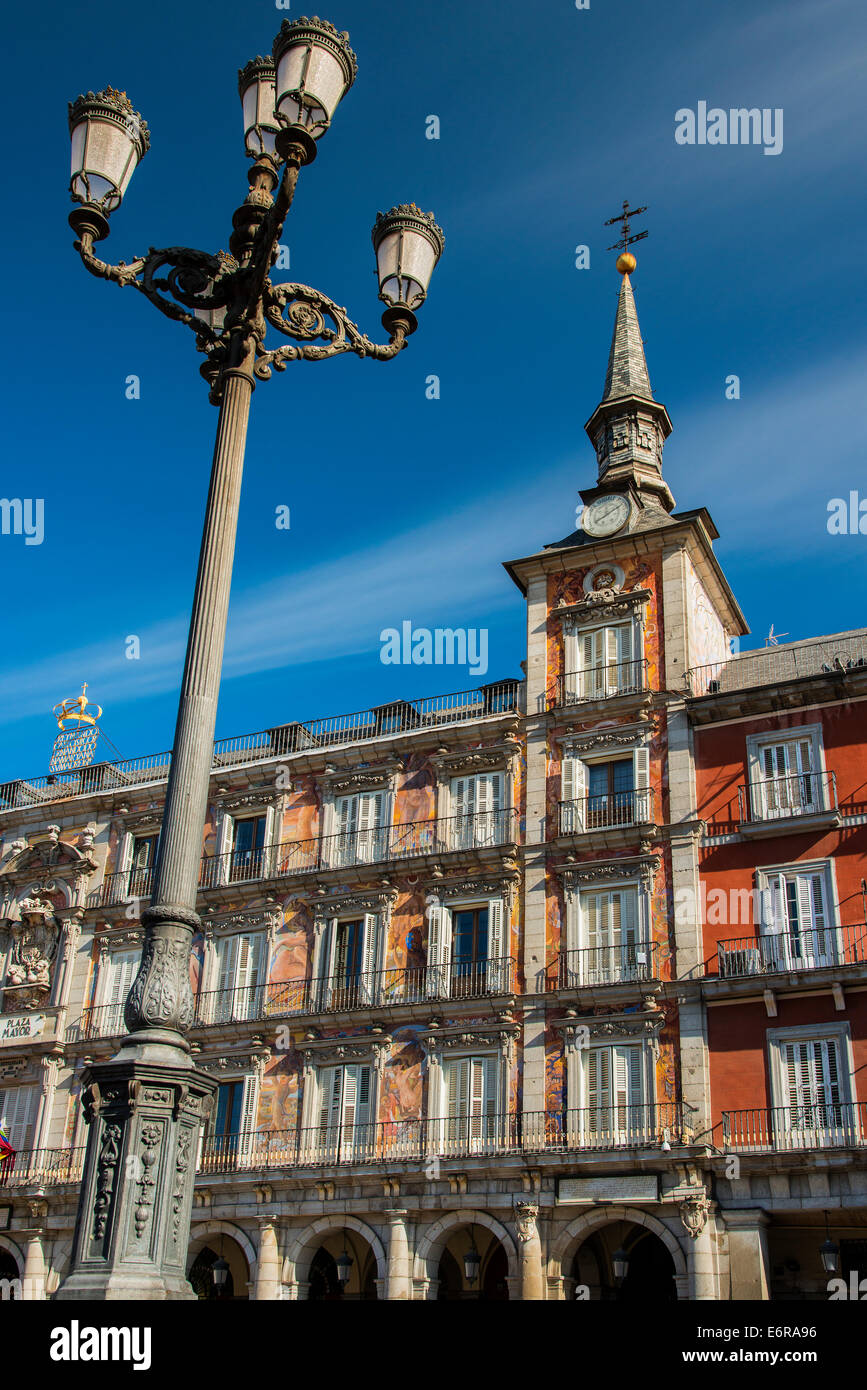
[[17, 1027]]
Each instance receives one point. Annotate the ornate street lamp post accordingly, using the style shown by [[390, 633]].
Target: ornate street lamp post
[[145, 1107]]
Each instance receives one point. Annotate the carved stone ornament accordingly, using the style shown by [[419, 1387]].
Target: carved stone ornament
[[578, 876], [48, 856], [526, 1216], [161, 994], [268, 917], [244, 801], [469, 760], [602, 603], [694, 1213], [344, 781], [625, 736], [575, 1030], [380, 901], [502, 1035], [504, 885], [34, 935], [372, 1048]]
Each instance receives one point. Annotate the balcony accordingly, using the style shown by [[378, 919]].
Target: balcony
[[30, 1167], [792, 1129], [603, 1129], [385, 988], [782, 952], [610, 811], [380, 845], [600, 683], [772, 805], [823, 668], [361, 991], [622, 964], [434, 712]]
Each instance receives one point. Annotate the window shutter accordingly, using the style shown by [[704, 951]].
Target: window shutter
[[491, 1088], [370, 953], [641, 782], [573, 789], [330, 1090], [497, 949], [598, 1081], [249, 1106], [18, 1112], [439, 950], [227, 954]]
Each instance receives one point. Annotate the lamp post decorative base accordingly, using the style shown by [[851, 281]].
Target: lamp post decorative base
[[133, 1225]]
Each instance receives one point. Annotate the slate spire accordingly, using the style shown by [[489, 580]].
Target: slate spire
[[627, 367]]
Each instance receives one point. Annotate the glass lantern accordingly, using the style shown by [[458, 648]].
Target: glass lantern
[[408, 243], [108, 140], [315, 69], [256, 89]]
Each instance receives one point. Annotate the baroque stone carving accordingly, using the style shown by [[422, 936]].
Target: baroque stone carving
[[150, 1137], [34, 946], [161, 994], [694, 1214], [577, 876], [601, 603], [109, 1157], [182, 1163], [526, 1216]]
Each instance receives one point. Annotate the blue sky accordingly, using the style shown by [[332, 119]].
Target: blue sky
[[402, 508]]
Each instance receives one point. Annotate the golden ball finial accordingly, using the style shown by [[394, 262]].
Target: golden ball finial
[[626, 263]]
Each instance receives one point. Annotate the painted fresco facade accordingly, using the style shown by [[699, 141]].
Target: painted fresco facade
[[469, 975]]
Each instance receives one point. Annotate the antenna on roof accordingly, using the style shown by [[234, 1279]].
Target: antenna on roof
[[773, 638]]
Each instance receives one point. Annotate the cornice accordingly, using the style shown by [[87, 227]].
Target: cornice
[[579, 875]]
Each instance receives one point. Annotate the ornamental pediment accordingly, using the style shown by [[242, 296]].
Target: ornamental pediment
[[52, 855], [344, 781], [604, 605], [599, 871], [494, 757]]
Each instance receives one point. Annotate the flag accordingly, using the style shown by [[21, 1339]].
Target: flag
[[7, 1152]]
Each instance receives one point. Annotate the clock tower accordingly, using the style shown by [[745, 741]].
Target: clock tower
[[627, 429]]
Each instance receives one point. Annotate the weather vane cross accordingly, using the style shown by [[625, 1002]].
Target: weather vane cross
[[626, 240]]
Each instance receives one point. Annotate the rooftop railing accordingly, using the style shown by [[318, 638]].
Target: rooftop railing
[[433, 712], [773, 665]]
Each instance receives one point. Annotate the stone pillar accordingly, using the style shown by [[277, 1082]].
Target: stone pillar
[[398, 1281], [748, 1254], [530, 1250], [268, 1265], [33, 1274], [698, 1220]]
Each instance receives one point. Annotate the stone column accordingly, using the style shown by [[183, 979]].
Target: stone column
[[698, 1221], [748, 1254], [268, 1267], [33, 1274], [398, 1281], [530, 1250]]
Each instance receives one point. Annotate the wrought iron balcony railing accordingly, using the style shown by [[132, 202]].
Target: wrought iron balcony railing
[[339, 994], [433, 712], [30, 1167], [624, 963], [449, 834], [606, 812], [100, 1021], [813, 948], [773, 665], [787, 1128], [781, 798], [600, 683], [601, 1128]]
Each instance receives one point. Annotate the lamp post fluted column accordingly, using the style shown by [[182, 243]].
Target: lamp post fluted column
[[146, 1107]]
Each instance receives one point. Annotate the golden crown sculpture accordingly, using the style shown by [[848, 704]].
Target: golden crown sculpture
[[75, 712]]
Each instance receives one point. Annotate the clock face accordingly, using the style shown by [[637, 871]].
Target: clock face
[[605, 515]]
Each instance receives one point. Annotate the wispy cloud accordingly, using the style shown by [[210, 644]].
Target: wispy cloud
[[762, 464]]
